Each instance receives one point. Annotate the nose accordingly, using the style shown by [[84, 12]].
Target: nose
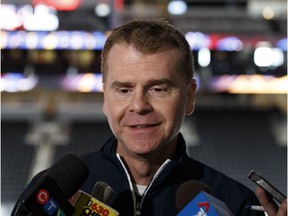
[[140, 103]]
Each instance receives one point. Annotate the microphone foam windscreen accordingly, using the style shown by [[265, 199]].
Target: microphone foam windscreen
[[188, 191], [69, 172]]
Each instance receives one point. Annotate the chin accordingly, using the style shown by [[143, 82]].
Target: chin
[[143, 149]]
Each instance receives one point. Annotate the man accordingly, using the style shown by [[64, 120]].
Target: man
[[148, 90]]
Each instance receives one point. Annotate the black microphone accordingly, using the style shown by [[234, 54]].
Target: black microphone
[[102, 191], [50, 194], [194, 198]]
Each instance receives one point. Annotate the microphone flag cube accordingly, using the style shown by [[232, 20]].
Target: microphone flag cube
[[46, 198], [205, 205], [85, 204]]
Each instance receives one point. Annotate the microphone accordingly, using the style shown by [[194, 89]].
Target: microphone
[[203, 203], [50, 194], [86, 205], [102, 191]]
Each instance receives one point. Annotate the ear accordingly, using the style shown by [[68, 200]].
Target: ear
[[190, 104]]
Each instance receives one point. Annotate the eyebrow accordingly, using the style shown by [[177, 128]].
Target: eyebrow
[[163, 81], [117, 84]]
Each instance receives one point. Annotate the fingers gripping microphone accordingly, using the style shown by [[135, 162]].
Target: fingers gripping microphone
[[50, 194], [202, 202], [86, 205]]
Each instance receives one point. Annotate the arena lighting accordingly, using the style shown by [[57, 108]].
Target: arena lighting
[[250, 84], [61, 5], [64, 39], [16, 40], [71, 40], [43, 19], [17, 82], [9, 18], [39, 18], [268, 13], [103, 10], [230, 43], [278, 57], [83, 82], [262, 56], [88, 83], [77, 40], [51, 41], [198, 40], [204, 57], [32, 40], [177, 7], [282, 44], [267, 56], [90, 41], [4, 39], [118, 5]]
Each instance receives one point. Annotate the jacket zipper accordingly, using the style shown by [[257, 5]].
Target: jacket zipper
[[138, 205]]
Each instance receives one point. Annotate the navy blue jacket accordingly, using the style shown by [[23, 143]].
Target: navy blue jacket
[[159, 198]]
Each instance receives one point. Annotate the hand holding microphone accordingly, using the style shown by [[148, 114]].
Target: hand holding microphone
[[269, 205], [267, 195]]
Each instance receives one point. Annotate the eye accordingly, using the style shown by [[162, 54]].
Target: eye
[[159, 90], [123, 90]]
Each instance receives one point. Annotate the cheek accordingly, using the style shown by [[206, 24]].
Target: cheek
[[113, 111], [174, 111], [112, 117], [180, 108], [107, 104], [107, 107]]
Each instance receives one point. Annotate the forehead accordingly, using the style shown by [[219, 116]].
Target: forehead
[[125, 59]]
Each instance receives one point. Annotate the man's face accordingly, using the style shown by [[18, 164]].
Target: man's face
[[145, 99]]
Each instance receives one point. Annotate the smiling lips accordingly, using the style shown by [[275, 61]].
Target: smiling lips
[[143, 126], [140, 126], [141, 129], [139, 123]]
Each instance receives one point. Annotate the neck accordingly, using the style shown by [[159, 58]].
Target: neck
[[142, 168], [141, 171]]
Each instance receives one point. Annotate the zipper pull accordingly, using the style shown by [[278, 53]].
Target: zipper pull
[[137, 212]]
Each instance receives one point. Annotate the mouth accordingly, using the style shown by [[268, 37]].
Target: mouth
[[143, 126]]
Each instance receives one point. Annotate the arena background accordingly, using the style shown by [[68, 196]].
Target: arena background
[[51, 99]]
